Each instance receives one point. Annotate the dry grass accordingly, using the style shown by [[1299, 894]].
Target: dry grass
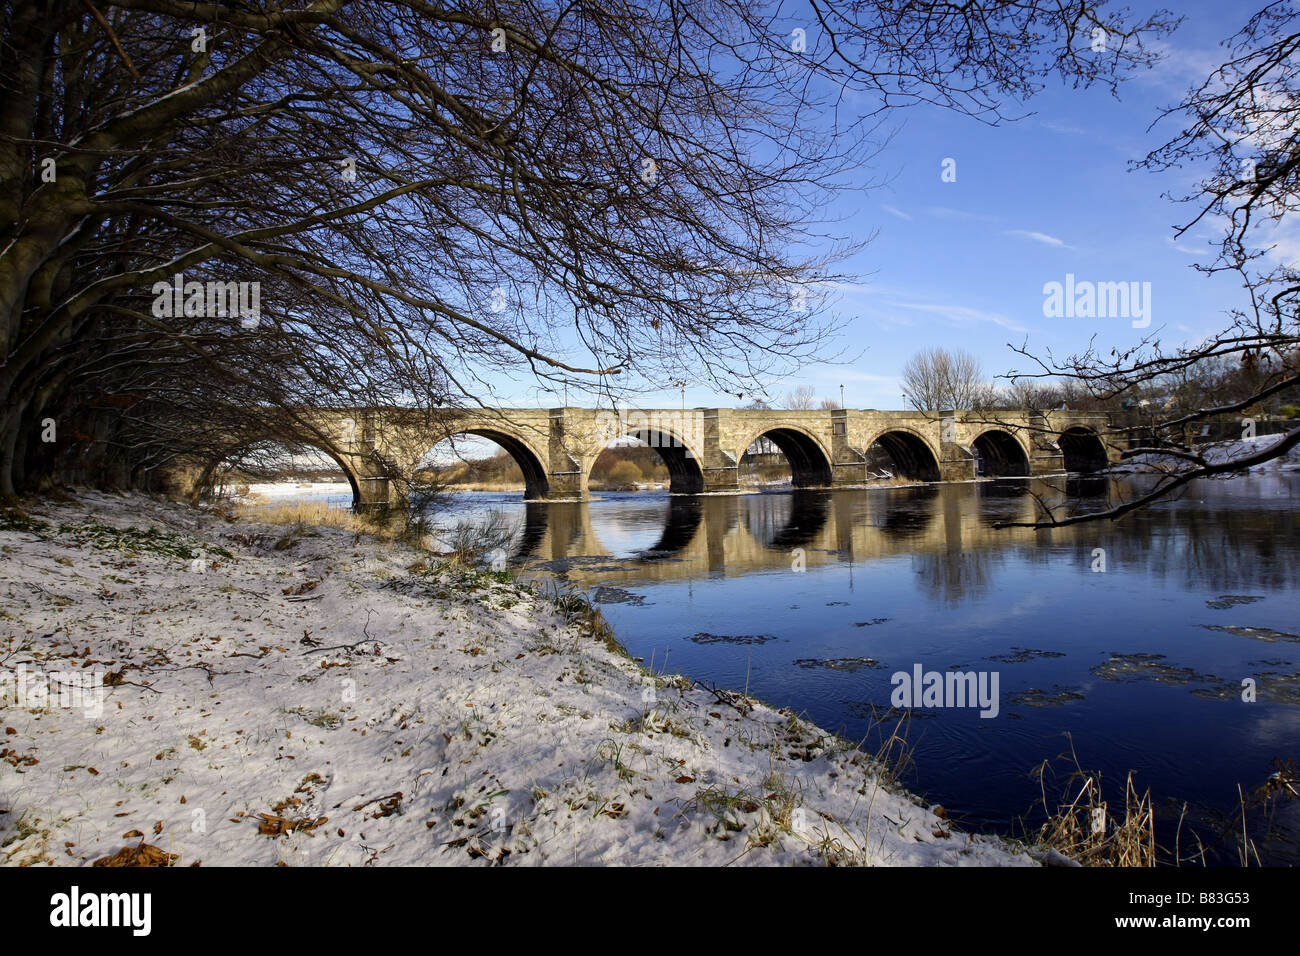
[[893, 758], [143, 855], [318, 514], [486, 486], [470, 540], [1282, 786], [467, 542], [297, 512], [1085, 828], [578, 609], [1259, 805], [897, 481]]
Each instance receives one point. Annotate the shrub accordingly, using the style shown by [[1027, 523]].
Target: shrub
[[623, 477]]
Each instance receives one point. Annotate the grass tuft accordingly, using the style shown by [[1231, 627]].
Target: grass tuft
[[1087, 828]]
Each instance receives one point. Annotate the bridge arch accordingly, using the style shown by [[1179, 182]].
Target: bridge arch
[[911, 453], [1082, 450], [530, 462], [203, 485], [685, 473], [810, 462], [1000, 454]]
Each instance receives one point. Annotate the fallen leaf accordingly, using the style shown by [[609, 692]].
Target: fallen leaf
[[142, 855], [273, 825]]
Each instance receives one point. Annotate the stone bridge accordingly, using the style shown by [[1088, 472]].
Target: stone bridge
[[379, 449]]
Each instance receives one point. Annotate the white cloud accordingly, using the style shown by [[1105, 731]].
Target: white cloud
[[848, 375], [946, 212], [1283, 243], [895, 211], [1185, 248], [1179, 67], [1042, 237], [964, 315], [1064, 128], [851, 287]]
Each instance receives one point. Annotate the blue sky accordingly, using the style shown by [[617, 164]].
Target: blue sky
[[964, 263]]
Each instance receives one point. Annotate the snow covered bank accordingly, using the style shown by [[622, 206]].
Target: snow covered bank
[[263, 697]]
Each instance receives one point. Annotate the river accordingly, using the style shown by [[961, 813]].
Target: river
[[1132, 638]]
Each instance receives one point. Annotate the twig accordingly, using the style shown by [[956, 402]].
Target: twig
[[99, 17], [350, 648]]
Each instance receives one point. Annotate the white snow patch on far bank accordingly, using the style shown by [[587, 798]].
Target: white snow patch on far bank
[[298, 489], [1215, 454]]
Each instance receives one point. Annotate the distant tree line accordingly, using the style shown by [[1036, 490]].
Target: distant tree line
[[939, 379]]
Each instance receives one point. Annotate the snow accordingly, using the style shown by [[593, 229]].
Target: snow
[[1217, 453], [293, 489], [329, 700], [1220, 452]]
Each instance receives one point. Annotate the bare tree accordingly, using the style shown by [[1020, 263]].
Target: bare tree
[[939, 378], [803, 397], [1242, 126], [414, 194]]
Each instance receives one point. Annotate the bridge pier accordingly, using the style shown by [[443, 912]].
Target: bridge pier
[[377, 495], [721, 479], [566, 478], [1046, 461], [848, 473], [848, 464], [566, 486], [1045, 457], [956, 462]]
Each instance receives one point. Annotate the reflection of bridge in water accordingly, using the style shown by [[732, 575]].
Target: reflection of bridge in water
[[1208, 538], [710, 536]]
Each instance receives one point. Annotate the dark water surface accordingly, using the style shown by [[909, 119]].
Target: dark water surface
[[1141, 664]]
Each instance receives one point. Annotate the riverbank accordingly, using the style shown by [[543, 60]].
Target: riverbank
[[260, 695], [1214, 453]]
